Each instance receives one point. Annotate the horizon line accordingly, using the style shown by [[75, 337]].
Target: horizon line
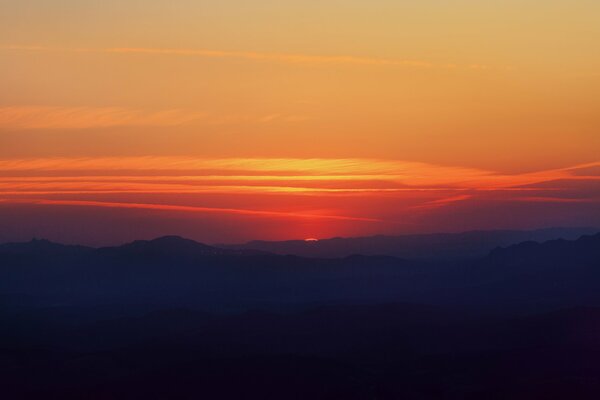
[[429, 233]]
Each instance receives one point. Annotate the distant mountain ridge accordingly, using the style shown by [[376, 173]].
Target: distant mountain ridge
[[41, 246], [580, 250], [471, 244], [170, 245], [181, 272]]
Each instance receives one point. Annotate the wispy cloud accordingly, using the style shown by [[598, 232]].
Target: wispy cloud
[[286, 58], [66, 118], [284, 188], [280, 170], [441, 202], [31, 117], [277, 57], [546, 199], [195, 209]]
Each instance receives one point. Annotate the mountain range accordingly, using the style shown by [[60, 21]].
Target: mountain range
[[462, 245], [174, 318], [177, 271]]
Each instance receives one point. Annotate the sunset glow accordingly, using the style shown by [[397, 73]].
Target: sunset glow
[[128, 120]]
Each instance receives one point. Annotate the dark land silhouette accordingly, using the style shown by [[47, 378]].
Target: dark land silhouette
[[173, 318], [462, 245]]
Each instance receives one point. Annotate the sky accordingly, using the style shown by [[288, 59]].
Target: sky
[[235, 120]]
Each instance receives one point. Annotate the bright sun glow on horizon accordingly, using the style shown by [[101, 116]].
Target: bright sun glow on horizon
[[232, 121]]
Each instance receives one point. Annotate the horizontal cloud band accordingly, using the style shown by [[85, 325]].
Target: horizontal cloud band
[[287, 58]]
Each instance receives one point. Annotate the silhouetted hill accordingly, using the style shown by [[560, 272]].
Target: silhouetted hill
[[174, 247], [584, 250], [173, 318], [173, 270], [540, 275], [176, 271], [42, 247], [426, 246]]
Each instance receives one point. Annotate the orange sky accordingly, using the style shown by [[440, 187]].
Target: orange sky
[[293, 119]]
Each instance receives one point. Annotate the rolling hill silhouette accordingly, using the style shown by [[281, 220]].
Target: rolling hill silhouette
[[463, 245], [174, 318], [177, 271]]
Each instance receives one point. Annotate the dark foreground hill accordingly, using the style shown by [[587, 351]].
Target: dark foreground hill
[[173, 318], [436, 246], [174, 271]]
